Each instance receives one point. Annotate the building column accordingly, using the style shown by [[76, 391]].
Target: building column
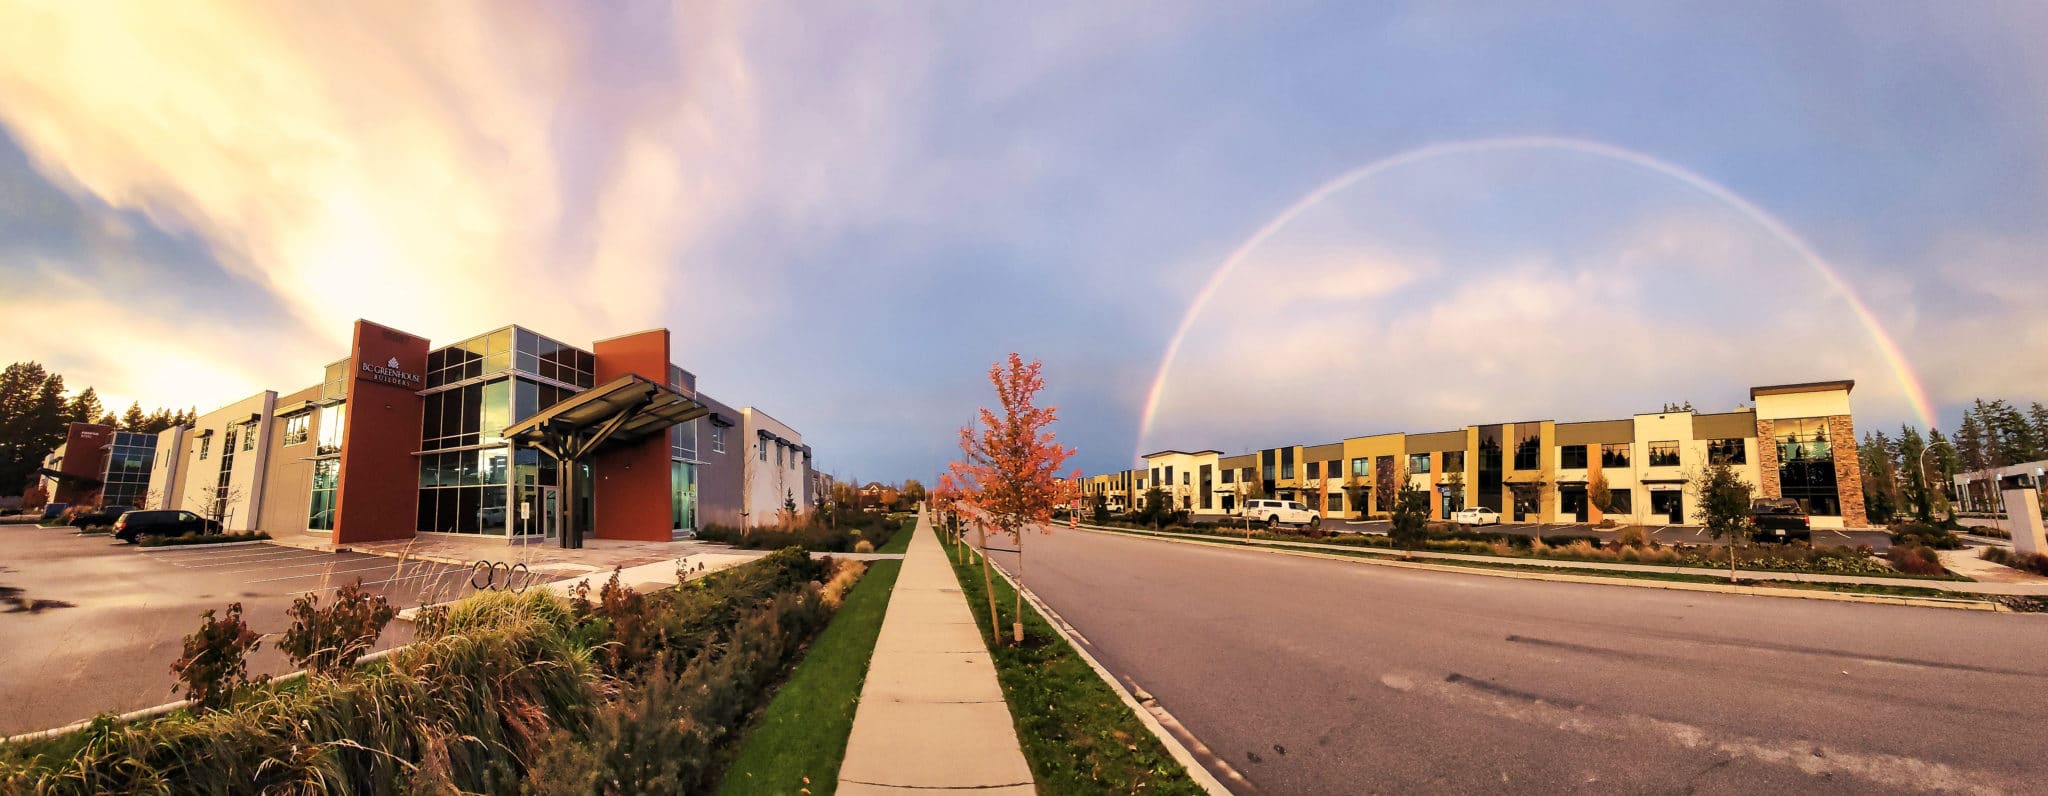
[[1848, 470], [1767, 460], [2028, 536]]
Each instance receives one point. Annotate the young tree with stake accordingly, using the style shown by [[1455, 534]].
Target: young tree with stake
[[1011, 469], [1724, 506]]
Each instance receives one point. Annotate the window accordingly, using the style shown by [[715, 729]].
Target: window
[[1454, 461], [1229, 475], [1361, 467], [1529, 447], [1286, 463], [335, 386], [717, 438], [1315, 470], [761, 448], [1418, 463], [1664, 453], [326, 485], [297, 428], [332, 419], [1336, 501], [249, 439], [1624, 501], [1806, 464], [1727, 451], [778, 454], [1614, 454], [1571, 457], [205, 446]]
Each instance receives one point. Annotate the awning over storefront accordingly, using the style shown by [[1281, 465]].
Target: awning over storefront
[[615, 414]]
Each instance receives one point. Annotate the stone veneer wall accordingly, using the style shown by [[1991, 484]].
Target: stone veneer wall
[[1848, 467], [1766, 459], [1848, 470]]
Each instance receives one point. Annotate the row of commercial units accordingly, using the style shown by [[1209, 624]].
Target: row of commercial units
[[506, 434], [1795, 441]]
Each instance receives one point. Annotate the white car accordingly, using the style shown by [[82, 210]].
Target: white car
[[1477, 515], [1280, 512]]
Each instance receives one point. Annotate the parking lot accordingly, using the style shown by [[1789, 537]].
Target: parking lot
[[92, 625]]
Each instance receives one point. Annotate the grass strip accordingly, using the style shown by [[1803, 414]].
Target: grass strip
[[1077, 734], [800, 739]]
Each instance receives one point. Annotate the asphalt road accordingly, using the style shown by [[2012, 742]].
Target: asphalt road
[[1316, 676], [89, 624], [1878, 541]]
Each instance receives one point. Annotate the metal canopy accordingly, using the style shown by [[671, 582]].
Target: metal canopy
[[61, 476], [614, 414]]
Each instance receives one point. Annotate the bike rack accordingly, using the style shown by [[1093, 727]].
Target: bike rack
[[489, 570]]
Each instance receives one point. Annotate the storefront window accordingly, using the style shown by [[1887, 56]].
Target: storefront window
[[326, 489], [1806, 465], [463, 491], [683, 494]]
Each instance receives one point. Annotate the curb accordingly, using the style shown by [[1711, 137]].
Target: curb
[[1148, 715], [172, 548], [1641, 583]]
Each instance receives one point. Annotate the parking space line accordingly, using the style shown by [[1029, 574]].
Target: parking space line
[[288, 557], [340, 561], [387, 565], [448, 571], [225, 559]]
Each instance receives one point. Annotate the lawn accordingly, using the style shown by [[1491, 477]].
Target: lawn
[[1078, 735], [801, 738], [899, 543]]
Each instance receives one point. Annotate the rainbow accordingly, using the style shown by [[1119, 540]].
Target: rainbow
[[1901, 369]]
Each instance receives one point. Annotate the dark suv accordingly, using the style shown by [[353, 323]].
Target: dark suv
[[1780, 520], [161, 522], [104, 516]]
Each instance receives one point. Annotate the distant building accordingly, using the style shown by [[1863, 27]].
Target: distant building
[[1798, 441], [99, 465]]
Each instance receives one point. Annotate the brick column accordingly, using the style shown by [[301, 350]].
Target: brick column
[[1848, 469]]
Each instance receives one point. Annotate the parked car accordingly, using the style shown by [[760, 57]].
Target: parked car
[[1779, 520], [102, 516], [1477, 515], [1280, 512], [52, 511], [134, 525]]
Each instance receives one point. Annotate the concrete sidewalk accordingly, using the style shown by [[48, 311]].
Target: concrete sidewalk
[[932, 718]]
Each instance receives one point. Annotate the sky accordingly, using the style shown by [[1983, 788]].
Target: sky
[[1366, 217]]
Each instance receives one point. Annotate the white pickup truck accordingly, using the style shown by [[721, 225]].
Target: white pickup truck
[[1280, 512]]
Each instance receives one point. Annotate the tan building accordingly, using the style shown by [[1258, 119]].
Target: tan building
[[1798, 442]]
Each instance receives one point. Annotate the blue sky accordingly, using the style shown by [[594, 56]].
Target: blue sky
[[845, 213]]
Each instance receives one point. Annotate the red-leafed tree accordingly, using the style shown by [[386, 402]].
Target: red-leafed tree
[[1011, 469]]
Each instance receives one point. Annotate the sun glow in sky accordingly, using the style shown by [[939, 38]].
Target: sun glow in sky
[[846, 212]]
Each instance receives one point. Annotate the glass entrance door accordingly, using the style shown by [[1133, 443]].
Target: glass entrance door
[[550, 512], [539, 512]]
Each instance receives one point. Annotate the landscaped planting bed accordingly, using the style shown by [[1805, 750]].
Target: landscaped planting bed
[[613, 692]]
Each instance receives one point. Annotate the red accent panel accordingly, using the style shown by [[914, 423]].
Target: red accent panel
[[85, 455], [379, 495], [631, 485]]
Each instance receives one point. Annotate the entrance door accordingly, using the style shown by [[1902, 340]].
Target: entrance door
[[539, 511], [1573, 502], [1670, 504]]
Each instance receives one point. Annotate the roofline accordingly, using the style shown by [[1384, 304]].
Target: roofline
[[1180, 452], [629, 334], [1845, 385]]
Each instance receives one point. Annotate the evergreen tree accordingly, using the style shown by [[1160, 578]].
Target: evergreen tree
[[33, 414], [1915, 486], [86, 408], [1943, 463], [1970, 443], [1880, 479], [133, 419], [2037, 417]]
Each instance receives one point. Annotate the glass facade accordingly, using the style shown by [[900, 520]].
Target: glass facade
[[326, 492], [1489, 467], [683, 495], [1529, 447], [469, 474], [1806, 465], [127, 476]]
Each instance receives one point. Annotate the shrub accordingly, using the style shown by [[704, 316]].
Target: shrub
[[1633, 536], [2036, 563], [195, 538], [329, 640], [215, 663], [1915, 559], [1995, 533], [1937, 537], [862, 546]]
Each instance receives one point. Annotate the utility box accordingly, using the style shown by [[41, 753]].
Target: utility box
[[2023, 506]]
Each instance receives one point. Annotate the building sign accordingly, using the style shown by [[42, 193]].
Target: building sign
[[389, 373]]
